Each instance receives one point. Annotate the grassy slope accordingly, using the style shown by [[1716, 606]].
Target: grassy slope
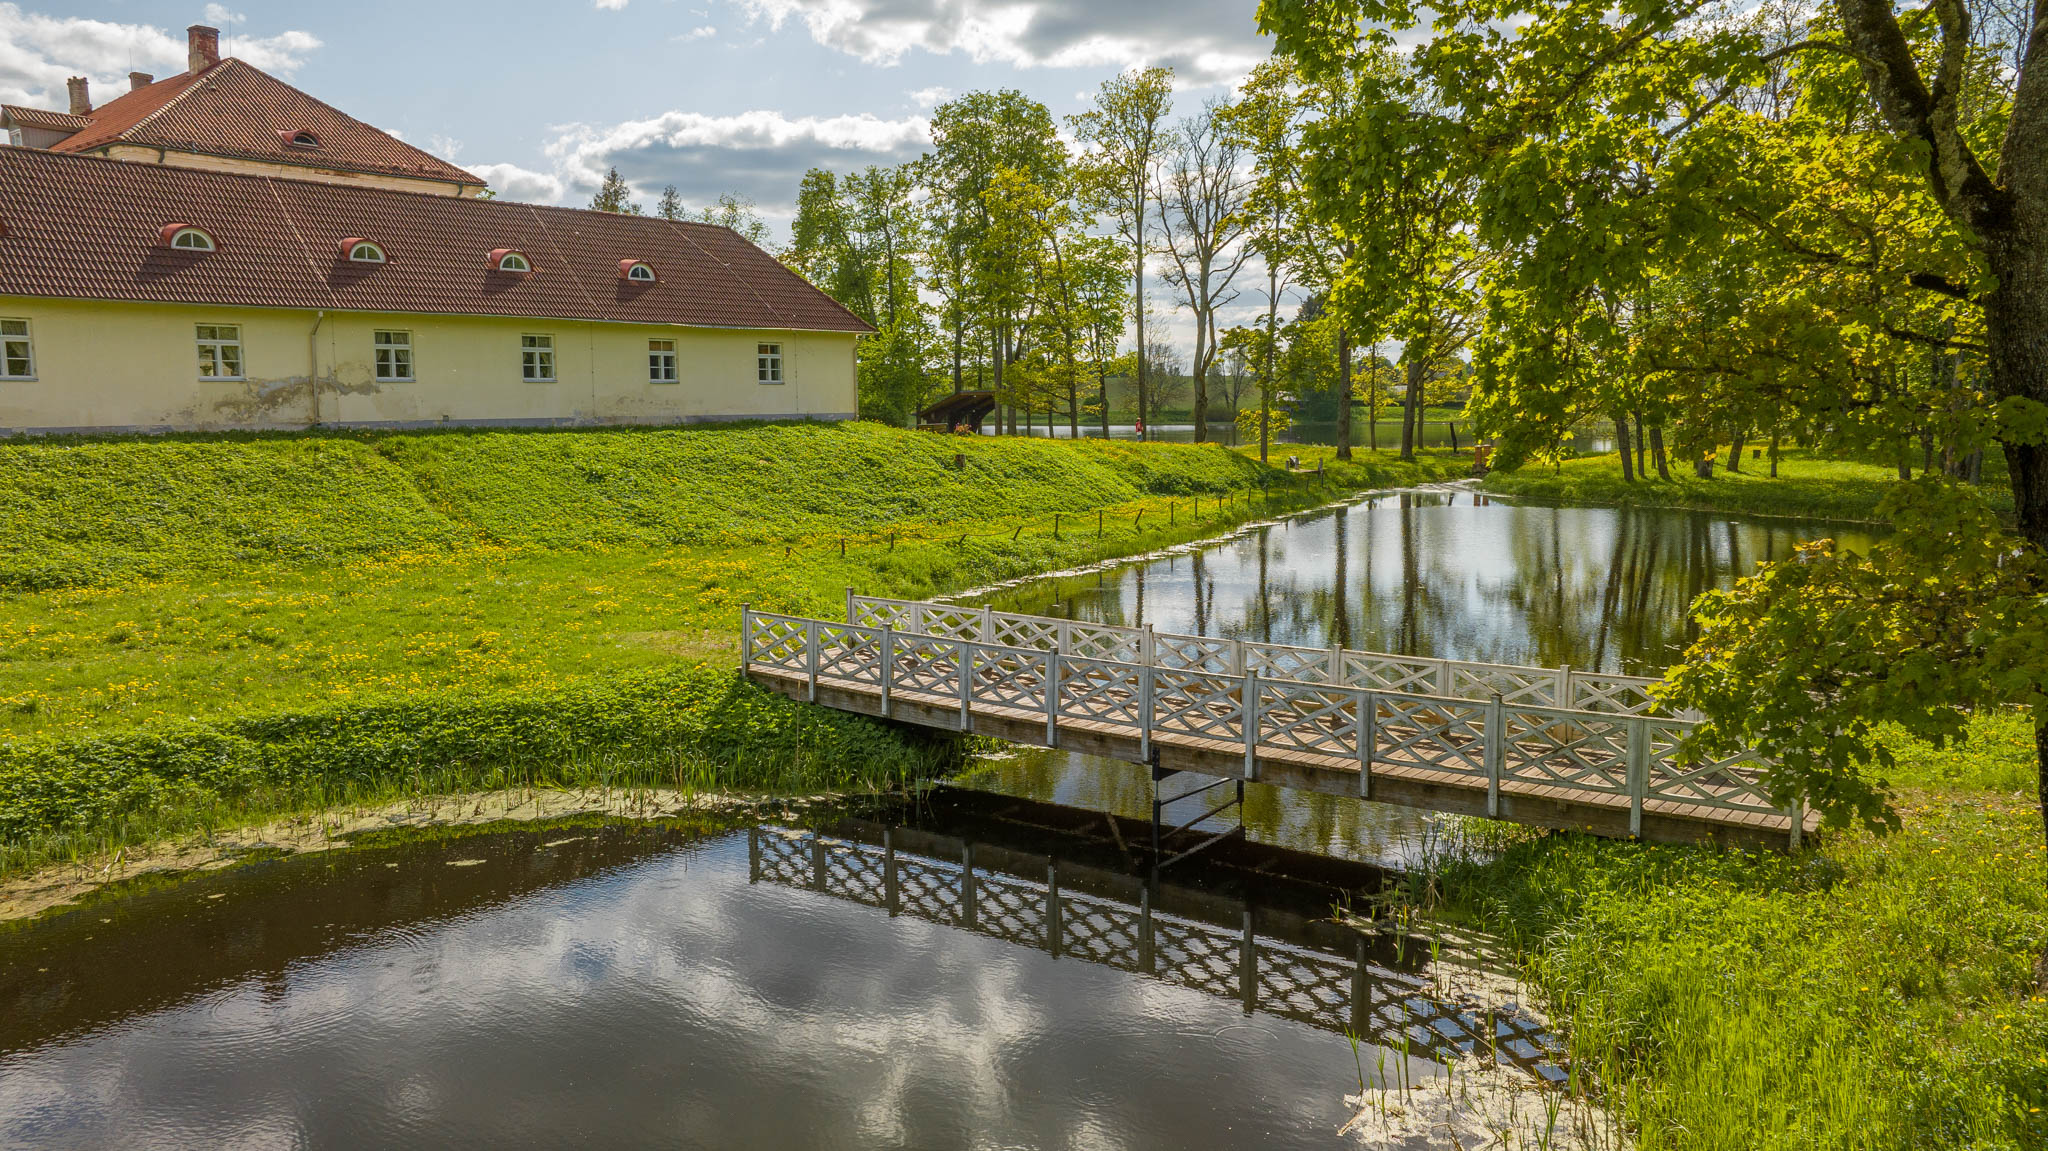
[[1805, 487], [1873, 993], [187, 589]]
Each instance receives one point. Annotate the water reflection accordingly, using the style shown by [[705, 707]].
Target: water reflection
[[617, 986], [1447, 574]]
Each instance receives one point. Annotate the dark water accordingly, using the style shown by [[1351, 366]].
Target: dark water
[[625, 985], [1448, 574]]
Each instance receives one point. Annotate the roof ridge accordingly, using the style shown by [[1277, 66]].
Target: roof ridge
[[562, 260], [729, 269], [190, 86], [312, 266], [344, 115]]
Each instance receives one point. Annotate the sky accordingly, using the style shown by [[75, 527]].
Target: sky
[[540, 97]]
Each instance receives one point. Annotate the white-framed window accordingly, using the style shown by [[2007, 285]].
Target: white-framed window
[[640, 272], [365, 252], [305, 139], [513, 262], [17, 351], [768, 363], [192, 240], [537, 359], [661, 361], [220, 352], [393, 352]]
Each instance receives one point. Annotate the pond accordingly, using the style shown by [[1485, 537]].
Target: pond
[[964, 971], [987, 964], [1445, 573]]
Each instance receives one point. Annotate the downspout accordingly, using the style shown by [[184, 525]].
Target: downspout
[[313, 364]]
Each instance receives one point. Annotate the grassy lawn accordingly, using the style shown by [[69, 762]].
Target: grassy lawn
[[1806, 486], [1870, 993], [169, 607]]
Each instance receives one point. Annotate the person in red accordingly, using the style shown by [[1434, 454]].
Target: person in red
[[1141, 427]]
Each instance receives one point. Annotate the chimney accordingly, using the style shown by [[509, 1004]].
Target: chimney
[[202, 48], [81, 98], [137, 81]]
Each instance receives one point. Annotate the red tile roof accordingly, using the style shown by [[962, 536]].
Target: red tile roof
[[44, 118], [232, 109], [84, 227]]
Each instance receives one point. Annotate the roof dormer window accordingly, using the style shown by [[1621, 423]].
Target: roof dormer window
[[509, 260], [187, 238], [362, 251], [638, 271], [302, 138]]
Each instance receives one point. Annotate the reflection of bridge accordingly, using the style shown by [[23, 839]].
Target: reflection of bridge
[[1552, 747], [1109, 918]]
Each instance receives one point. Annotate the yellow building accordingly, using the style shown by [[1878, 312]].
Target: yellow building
[[202, 290]]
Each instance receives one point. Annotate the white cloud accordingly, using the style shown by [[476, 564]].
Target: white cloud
[[1205, 41], [931, 97], [218, 14], [38, 52], [512, 182], [608, 5], [700, 32]]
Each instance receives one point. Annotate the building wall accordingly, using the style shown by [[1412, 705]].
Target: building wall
[[136, 367], [139, 154]]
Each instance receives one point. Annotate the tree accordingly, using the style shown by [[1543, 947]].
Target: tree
[[1614, 150], [855, 237], [671, 205], [974, 137], [615, 195], [737, 212], [1125, 136], [1202, 220], [1266, 123]]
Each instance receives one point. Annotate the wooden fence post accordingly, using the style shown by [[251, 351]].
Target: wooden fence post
[[963, 665], [1798, 819], [811, 655], [1145, 710], [888, 665], [1249, 715], [1052, 699], [988, 625], [1367, 729], [1494, 749], [1235, 657], [1638, 772], [1446, 679], [746, 637], [849, 605], [1563, 690], [1336, 665]]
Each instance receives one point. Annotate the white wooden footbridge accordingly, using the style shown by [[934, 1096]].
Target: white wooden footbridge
[[1553, 747]]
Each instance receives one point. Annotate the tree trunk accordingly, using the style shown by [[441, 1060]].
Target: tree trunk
[[1201, 383], [1774, 454], [1641, 470], [1144, 431], [1411, 403], [1703, 464], [959, 335], [1343, 393], [1628, 458], [1657, 455], [1266, 384], [1735, 449], [1102, 377]]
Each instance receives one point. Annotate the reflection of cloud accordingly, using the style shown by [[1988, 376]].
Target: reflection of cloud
[[1206, 41], [37, 54], [670, 996]]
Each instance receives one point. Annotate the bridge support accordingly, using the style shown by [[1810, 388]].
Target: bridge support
[[1161, 833]]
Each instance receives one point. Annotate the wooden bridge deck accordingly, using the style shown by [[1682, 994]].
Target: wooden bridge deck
[[1615, 772]]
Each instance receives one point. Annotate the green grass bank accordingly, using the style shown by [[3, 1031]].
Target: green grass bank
[[205, 628], [1806, 487]]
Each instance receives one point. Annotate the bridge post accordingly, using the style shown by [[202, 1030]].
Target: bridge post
[[1145, 709], [917, 617], [1236, 657], [1052, 908], [1798, 812], [818, 858], [1248, 967], [1064, 643], [967, 916], [888, 665], [1145, 959], [1638, 772], [988, 625], [1564, 687], [1361, 993], [1366, 728], [1493, 748], [1248, 708], [1446, 678], [1052, 699], [1336, 672], [849, 607], [1148, 647], [754, 853], [746, 637], [811, 655], [963, 666], [890, 898]]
